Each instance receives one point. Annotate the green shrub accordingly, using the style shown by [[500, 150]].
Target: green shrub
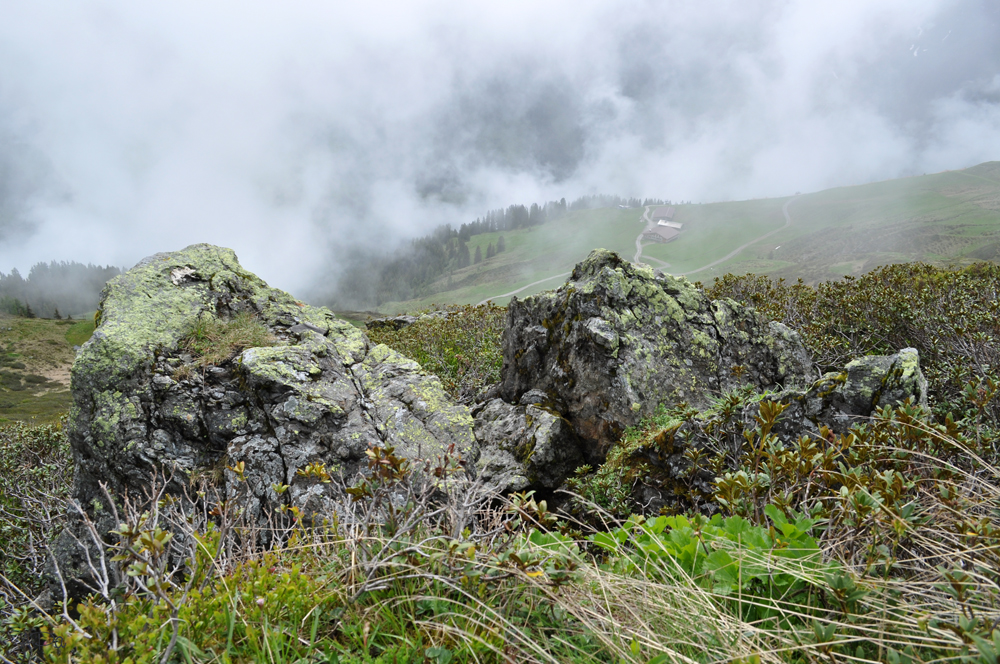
[[462, 348], [949, 316], [36, 472], [765, 566]]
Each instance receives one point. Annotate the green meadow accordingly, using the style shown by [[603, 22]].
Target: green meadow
[[946, 219]]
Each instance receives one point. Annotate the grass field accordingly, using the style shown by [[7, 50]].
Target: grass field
[[35, 358], [950, 218]]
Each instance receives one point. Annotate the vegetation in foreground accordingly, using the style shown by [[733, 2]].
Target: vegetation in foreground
[[878, 545]]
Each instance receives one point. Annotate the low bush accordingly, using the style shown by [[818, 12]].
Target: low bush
[[947, 315], [36, 473], [463, 347]]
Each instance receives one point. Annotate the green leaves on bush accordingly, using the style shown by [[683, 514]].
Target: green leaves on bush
[[947, 315], [724, 555], [461, 347]]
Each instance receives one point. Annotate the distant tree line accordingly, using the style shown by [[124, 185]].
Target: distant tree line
[[370, 279], [54, 290]]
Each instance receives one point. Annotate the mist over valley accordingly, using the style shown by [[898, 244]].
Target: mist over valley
[[311, 136]]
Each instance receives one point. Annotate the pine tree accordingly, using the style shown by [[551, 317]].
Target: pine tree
[[490, 251], [28, 313], [463, 254], [479, 256], [56, 315], [500, 245]]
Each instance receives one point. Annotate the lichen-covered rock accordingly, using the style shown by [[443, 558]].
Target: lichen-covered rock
[[619, 339], [525, 445], [838, 399], [321, 395]]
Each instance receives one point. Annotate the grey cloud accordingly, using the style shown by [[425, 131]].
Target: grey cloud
[[296, 132]]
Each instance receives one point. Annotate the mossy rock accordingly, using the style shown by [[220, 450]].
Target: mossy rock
[[619, 340], [314, 389]]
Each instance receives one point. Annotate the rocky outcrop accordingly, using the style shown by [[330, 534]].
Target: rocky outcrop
[[320, 395], [526, 445], [619, 339], [839, 399]]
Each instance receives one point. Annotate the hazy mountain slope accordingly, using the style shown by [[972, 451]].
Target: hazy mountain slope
[[948, 218]]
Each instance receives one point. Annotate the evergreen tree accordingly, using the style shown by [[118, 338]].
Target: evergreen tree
[[28, 313], [56, 315], [463, 254], [479, 256], [490, 251], [500, 245]]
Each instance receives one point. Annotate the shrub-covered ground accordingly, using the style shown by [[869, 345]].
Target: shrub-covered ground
[[878, 545], [462, 348], [35, 357]]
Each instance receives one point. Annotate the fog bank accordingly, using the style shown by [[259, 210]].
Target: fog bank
[[294, 131]]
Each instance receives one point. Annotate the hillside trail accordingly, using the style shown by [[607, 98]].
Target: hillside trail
[[788, 222], [638, 252], [638, 239], [515, 292]]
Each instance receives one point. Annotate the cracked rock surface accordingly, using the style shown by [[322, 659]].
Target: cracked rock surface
[[322, 394], [620, 339], [525, 445], [840, 399]]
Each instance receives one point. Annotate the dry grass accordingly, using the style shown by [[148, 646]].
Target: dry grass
[[214, 341]]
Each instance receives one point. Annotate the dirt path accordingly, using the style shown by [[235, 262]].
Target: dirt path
[[657, 260], [638, 240], [638, 255], [533, 283], [788, 222]]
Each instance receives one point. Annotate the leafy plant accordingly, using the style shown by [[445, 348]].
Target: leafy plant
[[947, 315], [728, 556]]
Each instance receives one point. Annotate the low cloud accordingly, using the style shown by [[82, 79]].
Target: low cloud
[[294, 132]]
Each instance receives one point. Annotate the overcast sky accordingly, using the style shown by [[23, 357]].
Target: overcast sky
[[288, 129]]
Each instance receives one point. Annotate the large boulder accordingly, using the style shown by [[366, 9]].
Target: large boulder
[[620, 339], [319, 393]]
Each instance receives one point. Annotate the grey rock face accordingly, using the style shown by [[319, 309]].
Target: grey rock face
[[839, 399], [619, 339], [321, 394], [525, 445]]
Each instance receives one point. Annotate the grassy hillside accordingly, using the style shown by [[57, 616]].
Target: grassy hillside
[[35, 358], [950, 218]]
